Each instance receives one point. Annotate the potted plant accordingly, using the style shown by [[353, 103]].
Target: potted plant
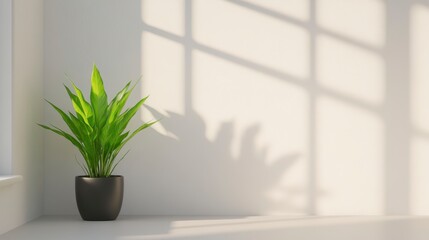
[[98, 131]]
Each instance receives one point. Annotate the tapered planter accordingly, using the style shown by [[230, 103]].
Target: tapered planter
[[99, 199]]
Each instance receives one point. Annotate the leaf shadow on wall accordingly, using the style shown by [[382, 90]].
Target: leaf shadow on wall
[[207, 178]]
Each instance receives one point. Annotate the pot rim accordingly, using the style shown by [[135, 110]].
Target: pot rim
[[111, 176]]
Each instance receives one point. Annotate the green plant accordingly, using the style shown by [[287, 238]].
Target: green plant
[[98, 128]]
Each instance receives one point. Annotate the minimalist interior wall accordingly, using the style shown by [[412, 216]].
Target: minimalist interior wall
[[266, 107], [23, 200], [6, 86]]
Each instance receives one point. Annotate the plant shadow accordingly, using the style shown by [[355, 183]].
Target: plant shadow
[[208, 179]]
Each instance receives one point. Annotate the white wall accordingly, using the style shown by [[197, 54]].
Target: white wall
[[23, 201], [6, 86], [267, 107]]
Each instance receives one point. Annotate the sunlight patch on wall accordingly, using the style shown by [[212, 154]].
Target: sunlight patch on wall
[[419, 165], [167, 15], [350, 159], [361, 20], [349, 70], [252, 36], [269, 123], [298, 9], [419, 67], [162, 75]]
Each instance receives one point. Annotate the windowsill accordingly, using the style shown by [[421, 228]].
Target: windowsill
[[9, 180]]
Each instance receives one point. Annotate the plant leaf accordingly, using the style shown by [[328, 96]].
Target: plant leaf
[[67, 136], [98, 129], [98, 96], [86, 107]]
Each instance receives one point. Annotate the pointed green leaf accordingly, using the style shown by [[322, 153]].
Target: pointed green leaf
[[115, 107], [66, 119], [125, 118], [142, 127], [86, 107], [98, 128], [98, 96], [77, 105], [63, 134]]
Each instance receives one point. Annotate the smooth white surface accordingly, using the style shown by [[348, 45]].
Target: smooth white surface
[[6, 86], [28, 104], [419, 111], [22, 201], [232, 228], [9, 180]]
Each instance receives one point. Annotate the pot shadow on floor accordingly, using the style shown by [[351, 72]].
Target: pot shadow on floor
[[185, 173]]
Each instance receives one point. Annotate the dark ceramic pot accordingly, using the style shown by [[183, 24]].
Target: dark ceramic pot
[[99, 199]]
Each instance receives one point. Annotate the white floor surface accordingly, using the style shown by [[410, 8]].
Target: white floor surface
[[229, 228]]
